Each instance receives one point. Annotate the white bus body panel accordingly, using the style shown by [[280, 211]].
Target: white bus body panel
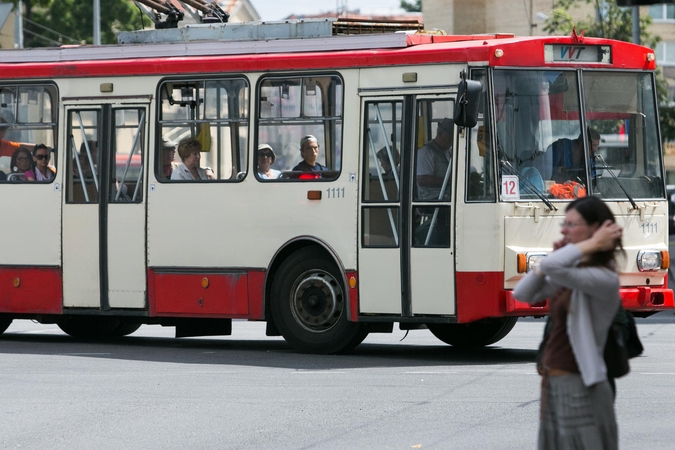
[[32, 242], [126, 255], [81, 256]]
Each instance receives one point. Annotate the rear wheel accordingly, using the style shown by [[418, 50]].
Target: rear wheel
[[474, 334], [124, 328], [309, 305], [4, 324], [89, 326]]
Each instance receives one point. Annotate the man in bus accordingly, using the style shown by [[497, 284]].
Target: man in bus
[[433, 163], [309, 150], [568, 157]]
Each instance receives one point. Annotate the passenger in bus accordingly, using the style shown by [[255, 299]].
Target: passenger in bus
[[433, 163], [21, 162], [168, 154], [385, 163], [189, 150], [7, 148], [88, 169], [43, 171], [580, 279], [309, 150], [266, 158], [568, 157]]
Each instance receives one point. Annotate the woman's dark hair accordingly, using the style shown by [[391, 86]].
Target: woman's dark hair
[[595, 211], [40, 147]]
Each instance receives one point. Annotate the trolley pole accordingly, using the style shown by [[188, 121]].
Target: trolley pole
[[636, 24], [97, 22]]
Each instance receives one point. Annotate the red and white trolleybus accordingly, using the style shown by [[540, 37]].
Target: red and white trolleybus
[[111, 241]]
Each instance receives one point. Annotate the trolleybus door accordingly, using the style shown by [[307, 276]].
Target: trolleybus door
[[406, 262], [103, 224]]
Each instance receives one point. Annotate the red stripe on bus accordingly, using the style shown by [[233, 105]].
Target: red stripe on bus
[[194, 294], [640, 298], [479, 295], [517, 52], [31, 290], [353, 296], [256, 284]]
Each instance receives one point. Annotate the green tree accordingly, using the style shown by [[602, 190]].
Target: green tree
[[414, 6], [613, 22], [74, 19]]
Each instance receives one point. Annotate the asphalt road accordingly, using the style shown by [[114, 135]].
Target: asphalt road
[[247, 391]]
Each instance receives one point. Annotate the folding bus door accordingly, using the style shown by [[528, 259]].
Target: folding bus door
[[406, 259], [104, 220]]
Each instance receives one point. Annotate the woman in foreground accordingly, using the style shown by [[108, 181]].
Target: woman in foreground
[[579, 277]]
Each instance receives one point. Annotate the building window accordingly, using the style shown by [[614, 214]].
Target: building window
[[662, 12], [665, 53]]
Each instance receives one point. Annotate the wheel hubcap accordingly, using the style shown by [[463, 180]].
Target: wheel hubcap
[[317, 301]]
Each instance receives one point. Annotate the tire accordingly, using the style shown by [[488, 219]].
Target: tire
[[89, 327], [474, 334], [309, 305], [124, 328], [4, 324]]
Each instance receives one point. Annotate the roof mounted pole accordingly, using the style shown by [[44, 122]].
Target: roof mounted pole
[[155, 9]]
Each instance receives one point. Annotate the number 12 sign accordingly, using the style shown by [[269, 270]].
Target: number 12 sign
[[510, 187]]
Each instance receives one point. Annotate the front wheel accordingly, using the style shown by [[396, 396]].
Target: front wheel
[[309, 305], [474, 334]]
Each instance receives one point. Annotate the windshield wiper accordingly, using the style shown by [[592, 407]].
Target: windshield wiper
[[606, 166], [508, 167]]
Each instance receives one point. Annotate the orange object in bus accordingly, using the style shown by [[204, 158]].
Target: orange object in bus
[[568, 189]]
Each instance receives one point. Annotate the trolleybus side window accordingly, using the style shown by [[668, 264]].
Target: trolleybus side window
[[302, 111], [215, 113], [381, 156], [27, 117], [480, 183]]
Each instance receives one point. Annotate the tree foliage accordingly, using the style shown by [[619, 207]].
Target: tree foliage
[[414, 6], [74, 19], [613, 22]]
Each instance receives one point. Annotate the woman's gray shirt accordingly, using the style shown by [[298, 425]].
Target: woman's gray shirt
[[593, 304]]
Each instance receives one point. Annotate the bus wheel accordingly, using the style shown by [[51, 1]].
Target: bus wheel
[[4, 324], [474, 334], [88, 326], [124, 328], [309, 308]]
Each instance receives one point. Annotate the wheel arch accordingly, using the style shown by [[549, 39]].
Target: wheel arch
[[288, 249]]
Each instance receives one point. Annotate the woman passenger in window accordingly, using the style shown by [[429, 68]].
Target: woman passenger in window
[[266, 158], [43, 171], [21, 161], [189, 150]]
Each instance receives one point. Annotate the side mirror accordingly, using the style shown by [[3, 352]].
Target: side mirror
[[466, 106]]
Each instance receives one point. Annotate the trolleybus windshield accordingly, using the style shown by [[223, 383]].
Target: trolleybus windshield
[[570, 133]]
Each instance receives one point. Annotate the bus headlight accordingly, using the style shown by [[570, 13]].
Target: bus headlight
[[649, 260], [529, 261]]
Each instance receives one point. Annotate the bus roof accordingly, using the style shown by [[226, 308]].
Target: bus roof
[[320, 52]]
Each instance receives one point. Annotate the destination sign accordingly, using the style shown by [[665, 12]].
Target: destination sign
[[601, 54]]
